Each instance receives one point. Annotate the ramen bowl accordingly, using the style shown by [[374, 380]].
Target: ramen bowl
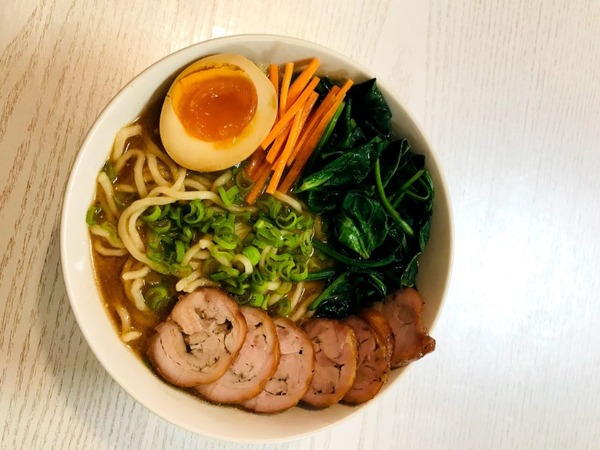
[[170, 403]]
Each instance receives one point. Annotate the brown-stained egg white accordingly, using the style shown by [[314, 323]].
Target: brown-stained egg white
[[217, 112]]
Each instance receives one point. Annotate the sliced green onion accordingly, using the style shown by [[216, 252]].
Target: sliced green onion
[[166, 239], [157, 297], [165, 211], [240, 289], [273, 206], [113, 236], [159, 265], [196, 214], [257, 300], [225, 272], [258, 283], [223, 194], [160, 226], [288, 222], [124, 199], [267, 233], [258, 243], [151, 215], [252, 254], [276, 265], [284, 307], [92, 214], [232, 193], [307, 221], [179, 251], [285, 268], [242, 181], [228, 242], [306, 245], [186, 234], [300, 272], [217, 252], [284, 288], [180, 271], [175, 214], [291, 240], [265, 303], [110, 171], [154, 241]]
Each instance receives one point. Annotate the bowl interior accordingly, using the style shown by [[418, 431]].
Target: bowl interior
[[172, 404]]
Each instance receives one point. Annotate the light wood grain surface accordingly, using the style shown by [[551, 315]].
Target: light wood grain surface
[[509, 94]]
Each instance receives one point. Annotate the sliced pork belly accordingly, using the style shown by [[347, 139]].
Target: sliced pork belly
[[254, 365], [373, 364], [199, 340], [336, 357], [292, 378], [403, 310], [382, 329]]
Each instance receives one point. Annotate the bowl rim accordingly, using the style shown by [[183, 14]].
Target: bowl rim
[[197, 50]]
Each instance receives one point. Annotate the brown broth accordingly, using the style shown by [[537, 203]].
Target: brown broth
[[108, 278]]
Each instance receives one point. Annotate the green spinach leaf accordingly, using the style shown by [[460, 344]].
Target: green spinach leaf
[[372, 112], [348, 293], [361, 223], [351, 167]]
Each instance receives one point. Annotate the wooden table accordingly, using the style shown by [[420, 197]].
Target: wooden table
[[509, 94]]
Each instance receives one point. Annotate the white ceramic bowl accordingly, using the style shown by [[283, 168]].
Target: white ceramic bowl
[[170, 403]]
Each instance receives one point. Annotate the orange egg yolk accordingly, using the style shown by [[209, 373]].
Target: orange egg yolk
[[215, 104]]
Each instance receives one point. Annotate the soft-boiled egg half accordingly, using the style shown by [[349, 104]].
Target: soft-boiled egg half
[[217, 112]]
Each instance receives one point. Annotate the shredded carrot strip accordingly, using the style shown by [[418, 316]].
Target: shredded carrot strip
[[307, 109], [254, 162], [291, 144], [302, 62], [302, 80], [285, 85], [290, 112], [274, 77], [277, 173], [259, 183], [278, 143], [344, 89], [279, 166], [312, 142], [312, 123]]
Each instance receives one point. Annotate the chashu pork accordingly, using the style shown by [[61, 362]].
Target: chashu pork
[[294, 374], [200, 338], [382, 329], [373, 363], [403, 310], [336, 357], [256, 362]]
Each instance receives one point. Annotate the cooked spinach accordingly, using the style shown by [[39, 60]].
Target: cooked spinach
[[372, 112], [348, 292], [352, 166], [361, 223], [376, 196]]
